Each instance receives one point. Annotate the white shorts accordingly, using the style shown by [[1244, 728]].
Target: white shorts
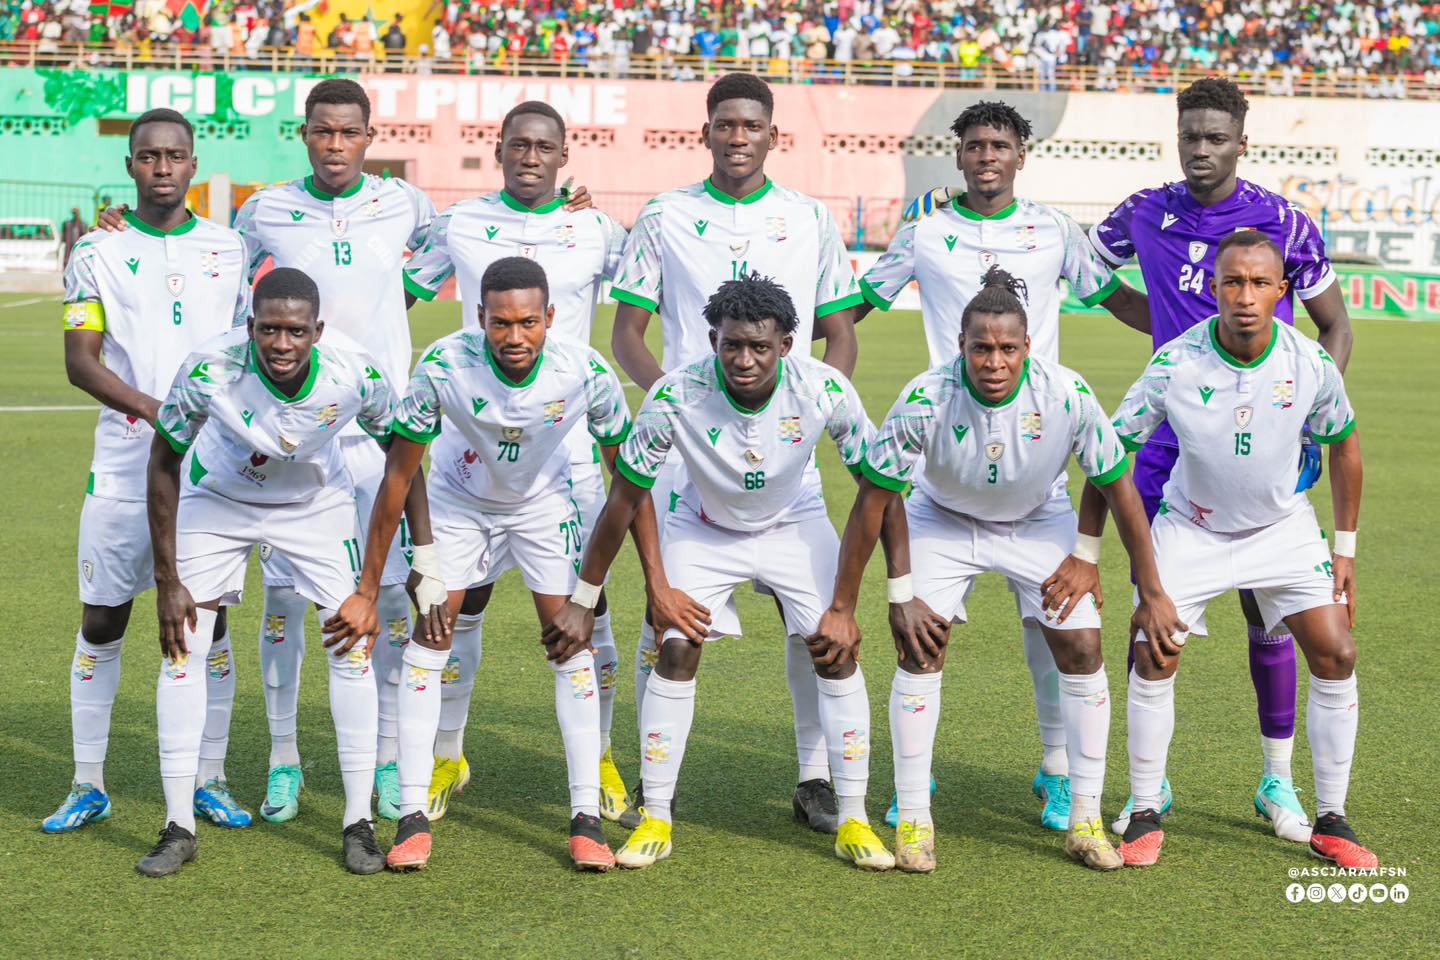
[[796, 561], [949, 550], [319, 539], [477, 548], [365, 463], [1286, 564], [114, 562]]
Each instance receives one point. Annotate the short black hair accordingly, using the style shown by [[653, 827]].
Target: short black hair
[[739, 86], [287, 283], [752, 299], [1000, 293], [992, 113], [514, 273], [538, 107], [161, 115], [337, 92], [1214, 93], [1248, 239]]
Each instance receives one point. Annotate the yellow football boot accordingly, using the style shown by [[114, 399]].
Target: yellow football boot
[[857, 843], [649, 842], [450, 778], [614, 798]]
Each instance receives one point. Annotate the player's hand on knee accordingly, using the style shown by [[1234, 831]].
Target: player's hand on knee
[[112, 218], [176, 610], [921, 634], [427, 591], [577, 199], [355, 622], [1156, 620], [836, 642], [569, 633], [1343, 569], [672, 609], [1063, 590]]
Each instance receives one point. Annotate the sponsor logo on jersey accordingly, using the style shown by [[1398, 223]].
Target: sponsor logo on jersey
[[297, 215], [512, 434], [790, 430], [565, 235], [1243, 416], [912, 703], [833, 386], [134, 264], [526, 250], [657, 747], [275, 622], [478, 403], [415, 678], [664, 394], [210, 263], [775, 229], [372, 209], [490, 232], [582, 683], [218, 663], [1167, 221], [470, 456], [339, 225], [950, 240], [1025, 235], [450, 673], [1205, 394], [994, 450], [1029, 426], [857, 744], [714, 434], [554, 412], [918, 396], [175, 669], [700, 226], [327, 416], [84, 666], [753, 458], [175, 283], [87, 570], [132, 427], [960, 431], [1197, 250], [1199, 513], [258, 459], [1282, 394]]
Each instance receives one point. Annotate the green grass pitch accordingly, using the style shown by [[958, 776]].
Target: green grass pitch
[[745, 881]]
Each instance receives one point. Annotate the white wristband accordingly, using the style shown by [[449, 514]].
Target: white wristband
[[899, 589], [1087, 548], [586, 594], [1344, 543], [425, 560]]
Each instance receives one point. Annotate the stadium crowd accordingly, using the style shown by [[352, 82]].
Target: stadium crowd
[[1392, 40]]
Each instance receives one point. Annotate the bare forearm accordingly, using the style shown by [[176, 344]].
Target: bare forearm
[[1093, 507], [617, 517], [867, 516], [627, 342], [87, 373], [645, 529], [895, 538], [390, 501], [1347, 476], [417, 511], [1130, 307], [1332, 321], [841, 346], [1124, 500], [162, 503]]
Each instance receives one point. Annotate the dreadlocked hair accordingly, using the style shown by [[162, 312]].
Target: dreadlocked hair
[[1000, 295], [752, 299], [992, 113], [1214, 93]]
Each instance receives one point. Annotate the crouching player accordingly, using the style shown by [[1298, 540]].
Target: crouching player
[[1238, 389], [259, 412], [995, 427]]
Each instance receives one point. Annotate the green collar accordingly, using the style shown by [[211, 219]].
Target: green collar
[[150, 231], [965, 376], [725, 388], [1240, 364], [305, 388], [500, 374], [519, 207], [754, 197], [319, 194], [958, 205]]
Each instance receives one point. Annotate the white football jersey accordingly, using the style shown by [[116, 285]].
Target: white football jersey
[[995, 461], [511, 434], [353, 246], [689, 241], [156, 297], [1239, 424], [251, 443], [747, 469], [949, 251], [579, 252]]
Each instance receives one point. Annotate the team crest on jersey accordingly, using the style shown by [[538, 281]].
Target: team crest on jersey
[[327, 415], [582, 683], [1029, 426], [87, 570], [218, 663], [565, 235], [790, 430], [657, 747], [554, 412], [512, 434], [372, 209], [286, 444], [1243, 416], [1197, 250], [738, 249], [210, 263], [753, 458], [994, 450], [775, 229], [988, 259], [1025, 236], [275, 622], [857, 744], [1282, 394], [175, 283], [132, 427], [339, 225], [526, 250]]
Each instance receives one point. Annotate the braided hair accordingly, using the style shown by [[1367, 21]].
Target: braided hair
[[1000, 295]]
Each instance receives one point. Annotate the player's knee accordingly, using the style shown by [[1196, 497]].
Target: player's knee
[[835, 671], [933, 665], [1336, 661], [679, 659], [1148, 668], [1078, 656], [102, 625], [476, 599]]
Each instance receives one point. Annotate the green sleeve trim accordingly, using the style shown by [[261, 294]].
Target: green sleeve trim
[[634, 299], [617, 439], [378, 437], [880, 480], [1103, 294], [835, 306], [1128, 441], [179, 446], [421, 438], [873, 296], [857, 468], [629, 473], [1344, 432], [416, 290], [1111, 475]]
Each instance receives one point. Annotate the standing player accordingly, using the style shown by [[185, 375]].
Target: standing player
[[1237, 390], [745, 421], [1176, 231], [950, 251], [512, 394], [144, 300], [983, 436], [260, 414], [578, 250], [685, 244]]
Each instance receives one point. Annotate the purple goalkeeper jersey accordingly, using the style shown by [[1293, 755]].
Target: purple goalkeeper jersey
[[1176, 239]]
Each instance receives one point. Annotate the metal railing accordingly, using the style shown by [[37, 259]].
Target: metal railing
[[896, 73]]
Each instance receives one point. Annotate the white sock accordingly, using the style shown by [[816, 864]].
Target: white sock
[[1045, 679], [282, 650], [94, 680], [914, 716], [419, 707], [180, 715], [457, 684], [577, 707], [393, 608], [666, 716], [355, 709], [1150, 714], [805, 703], [845, 718], [1277, 753], [1085, 705], [219, 705], [646, 656], [607, 664], [1331, 721]]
